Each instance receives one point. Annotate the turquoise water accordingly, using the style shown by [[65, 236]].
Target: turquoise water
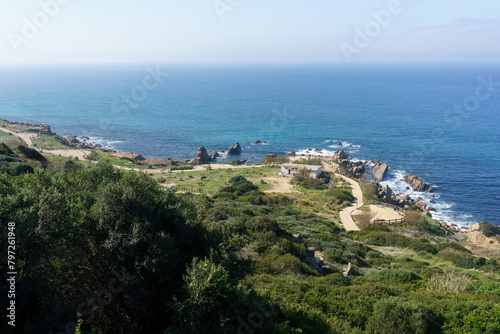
[[400, 114]]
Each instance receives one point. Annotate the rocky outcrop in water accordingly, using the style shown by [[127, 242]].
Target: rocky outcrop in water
[[234, 150], [202, 156], [214, 155], [417, 184], [379, 170], [340, 155], [259, 142]]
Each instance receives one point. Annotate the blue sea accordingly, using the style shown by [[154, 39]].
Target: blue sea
[[439, 121]]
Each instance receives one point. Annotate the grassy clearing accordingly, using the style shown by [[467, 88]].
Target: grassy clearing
[[100, 155], [48, 142], [9, 139], [213, 180]]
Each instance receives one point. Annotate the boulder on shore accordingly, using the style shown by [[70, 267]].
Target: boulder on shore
[[340, 155], [234, 150], [417, 184], [379, 170], [202, 157]]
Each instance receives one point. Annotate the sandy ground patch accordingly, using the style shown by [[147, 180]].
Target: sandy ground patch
[[382, 212], [80, 154], [280, 185]]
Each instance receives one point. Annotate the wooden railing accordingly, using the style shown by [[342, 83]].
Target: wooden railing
[[388, 221]]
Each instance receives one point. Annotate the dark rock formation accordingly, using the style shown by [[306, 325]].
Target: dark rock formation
[[259, 142], [291, 154], [379, 170], [214, 155], [131, 156], [202, 157], [356, 168], [417, 184], [340, 155], [234, 150]]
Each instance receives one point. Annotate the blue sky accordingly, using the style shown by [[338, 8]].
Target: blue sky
[[234, 31]]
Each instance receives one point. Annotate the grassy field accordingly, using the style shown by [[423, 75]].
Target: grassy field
[[213, 180], [48, 142], [112, 159], [9, 139]]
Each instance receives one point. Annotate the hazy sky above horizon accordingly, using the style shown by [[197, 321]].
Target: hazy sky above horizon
[[233, 31]]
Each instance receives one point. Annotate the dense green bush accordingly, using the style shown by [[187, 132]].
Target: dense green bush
[[480, 321], [396, 276], [485, 286], [394, 315], [340, 196], [489, 229], [458, 258]]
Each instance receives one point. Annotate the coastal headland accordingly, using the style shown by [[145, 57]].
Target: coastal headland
[[381, 202]]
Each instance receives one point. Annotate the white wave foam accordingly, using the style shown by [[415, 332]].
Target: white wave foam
[[445, 211], [316, 152], [106, 143]]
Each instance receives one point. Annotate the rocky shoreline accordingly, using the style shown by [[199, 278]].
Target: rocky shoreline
[[356, 168]]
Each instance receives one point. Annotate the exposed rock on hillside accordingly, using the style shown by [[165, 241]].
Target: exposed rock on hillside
[[379, 170], [131, 156]]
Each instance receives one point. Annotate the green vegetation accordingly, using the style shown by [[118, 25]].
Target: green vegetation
[[48, 142], [309, 161], [109, 157], [236, 162], [182, 167], [105, 250], [9, 139]]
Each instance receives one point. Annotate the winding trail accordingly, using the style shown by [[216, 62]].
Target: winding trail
[[345, 214], [25, 136]]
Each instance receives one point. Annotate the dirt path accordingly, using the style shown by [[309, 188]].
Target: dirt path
[[345, 214], [25, 136], [80, 154]]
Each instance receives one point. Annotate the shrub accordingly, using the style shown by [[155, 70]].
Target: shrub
[[393, 315], [412, 217], [449, 281], [460, 259], [397, 276], [489, 229], [364, 219], [340, 196], [182, 167], [481, 320], [486, 286]]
